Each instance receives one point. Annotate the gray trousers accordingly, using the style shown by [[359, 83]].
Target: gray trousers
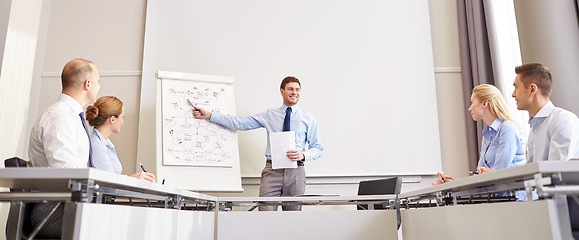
[[282, 182]]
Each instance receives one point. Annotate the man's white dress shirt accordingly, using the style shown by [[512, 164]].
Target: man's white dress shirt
[[58, 139], [554, 135]]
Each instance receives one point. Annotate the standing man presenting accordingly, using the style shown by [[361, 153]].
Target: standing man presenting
[[288, 117], [554, 132]]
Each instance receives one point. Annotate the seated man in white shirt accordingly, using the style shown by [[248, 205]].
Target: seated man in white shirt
[[554, 132], [59, 139]]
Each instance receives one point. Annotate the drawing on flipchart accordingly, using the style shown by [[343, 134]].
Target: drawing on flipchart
[[195, 142]]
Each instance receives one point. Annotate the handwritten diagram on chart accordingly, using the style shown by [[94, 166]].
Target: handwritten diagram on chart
[[196, 142]]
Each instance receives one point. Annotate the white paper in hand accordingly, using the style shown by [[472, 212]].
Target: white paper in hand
[[280, 143]]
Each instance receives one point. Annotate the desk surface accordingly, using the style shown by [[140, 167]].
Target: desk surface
[[569, 170], [310, 198], [57, 180]]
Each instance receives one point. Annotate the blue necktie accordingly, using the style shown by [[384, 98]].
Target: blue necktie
[[89, 143], [286, 120]]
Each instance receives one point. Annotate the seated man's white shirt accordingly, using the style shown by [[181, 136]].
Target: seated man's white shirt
[[58, 139], [554, 135]]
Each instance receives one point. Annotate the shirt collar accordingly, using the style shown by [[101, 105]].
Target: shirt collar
[[102, 138], [496, 124], [295, 108], [97, 133], [71, 102], [545, 111]]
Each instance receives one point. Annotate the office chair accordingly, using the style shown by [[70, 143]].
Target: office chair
[[19, 216], [18, 224], [379, 187], [15, 162]]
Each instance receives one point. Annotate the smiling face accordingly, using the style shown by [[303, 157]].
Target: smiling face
[[477, 108], [291, 94]]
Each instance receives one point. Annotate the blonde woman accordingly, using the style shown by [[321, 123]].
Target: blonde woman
[[107, 115], [502, 142]]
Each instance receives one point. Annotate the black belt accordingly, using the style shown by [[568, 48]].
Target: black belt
[[300, 163]]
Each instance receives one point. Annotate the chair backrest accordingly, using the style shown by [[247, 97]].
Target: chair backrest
[[15, 162], [19, 215]]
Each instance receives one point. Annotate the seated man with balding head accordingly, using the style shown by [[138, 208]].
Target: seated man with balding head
[[60, 139]]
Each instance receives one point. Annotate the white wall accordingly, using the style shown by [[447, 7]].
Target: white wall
[[23, 37], [4, 16], [549, 33], [111, 33], [451, 111], [356, 69]]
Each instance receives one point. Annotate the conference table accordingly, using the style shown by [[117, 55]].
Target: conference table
[[103, 205], [455, 212]]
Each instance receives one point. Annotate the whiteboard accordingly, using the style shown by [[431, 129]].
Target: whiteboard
[[194, 153], [366, 69], [188, 141]]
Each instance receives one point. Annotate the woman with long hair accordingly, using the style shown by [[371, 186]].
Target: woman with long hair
[[502, 142]]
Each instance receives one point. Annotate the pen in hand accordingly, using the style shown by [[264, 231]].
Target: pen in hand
[[192, 105], [142, 167], [441, 177]]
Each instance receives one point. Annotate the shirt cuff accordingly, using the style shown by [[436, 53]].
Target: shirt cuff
[[215, 117]]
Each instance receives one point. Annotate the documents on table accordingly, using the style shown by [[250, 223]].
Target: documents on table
[[280, 143]]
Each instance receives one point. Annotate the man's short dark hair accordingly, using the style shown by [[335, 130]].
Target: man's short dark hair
[[287, 80], [538, 74]]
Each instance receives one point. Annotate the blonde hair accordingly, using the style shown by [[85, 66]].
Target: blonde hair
[[102, 109], [494, 97]]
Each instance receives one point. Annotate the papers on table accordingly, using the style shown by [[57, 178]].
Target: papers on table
[[280, 143]]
